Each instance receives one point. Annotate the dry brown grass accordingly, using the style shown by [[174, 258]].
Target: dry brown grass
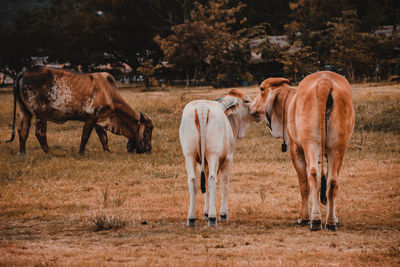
[[49, 204]]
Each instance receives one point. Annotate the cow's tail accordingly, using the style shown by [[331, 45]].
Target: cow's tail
[[324, 88], [16, 94], [202, 117]]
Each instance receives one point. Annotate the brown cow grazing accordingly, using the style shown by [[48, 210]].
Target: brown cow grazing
[[317, 120], [58, 96]]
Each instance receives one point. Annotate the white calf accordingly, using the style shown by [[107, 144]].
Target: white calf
[[208, 132]]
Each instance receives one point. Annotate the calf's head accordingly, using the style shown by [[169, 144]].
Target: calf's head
[[236, 106], [142, 138]]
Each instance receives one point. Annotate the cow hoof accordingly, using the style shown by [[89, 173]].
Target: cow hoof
[[302, 222], [331, 227], [315, 225], [212, 222], [191, 222], [206, 217], [224, 217]]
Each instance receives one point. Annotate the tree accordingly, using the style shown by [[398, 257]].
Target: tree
[[299, 61], [210, 36]]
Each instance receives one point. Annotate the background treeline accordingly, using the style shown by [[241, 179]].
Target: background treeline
[[218, 42]]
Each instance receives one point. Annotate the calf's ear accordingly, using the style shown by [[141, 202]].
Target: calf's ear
[[232, 107]]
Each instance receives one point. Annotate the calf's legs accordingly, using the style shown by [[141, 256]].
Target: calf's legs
[[212, 186], [190, 168], [225, 171]]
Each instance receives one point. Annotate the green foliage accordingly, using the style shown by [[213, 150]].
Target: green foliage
[[147, 70], [209, 36], [299, 61]]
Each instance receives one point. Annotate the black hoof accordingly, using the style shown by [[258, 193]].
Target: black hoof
[[224, 218], [331, 227], [191, 222], [212, 222], [315, 225], [206, 217], [302, 222]]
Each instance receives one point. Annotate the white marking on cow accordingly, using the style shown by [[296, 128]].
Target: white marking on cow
[[88, 106], [60, 94]]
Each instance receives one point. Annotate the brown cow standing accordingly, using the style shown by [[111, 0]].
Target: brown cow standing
[[58, 96], [317, 120]]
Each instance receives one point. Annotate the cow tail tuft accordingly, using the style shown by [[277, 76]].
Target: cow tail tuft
[[324, 88], [202, 115], [323, 189], [16, 90], [203, 182]]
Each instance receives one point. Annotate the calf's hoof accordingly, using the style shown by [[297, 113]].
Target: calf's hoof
[[212, 222], [206, 217], [224, 217], [302, 222], [191, 222], [331, 227], [315, 225]]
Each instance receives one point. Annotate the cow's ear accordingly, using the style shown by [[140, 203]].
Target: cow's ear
[[232, 107], [275, 82], [144, 118]]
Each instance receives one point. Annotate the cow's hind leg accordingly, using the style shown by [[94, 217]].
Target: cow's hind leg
[[23, 130], [103, 137], [335, 158], [206, 196], [225, 171], [311, 153], [87, 130], [212, 186], [41, 128], [299, 163], [190, 168]]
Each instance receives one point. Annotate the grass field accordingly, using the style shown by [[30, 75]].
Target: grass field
[[115, 208]]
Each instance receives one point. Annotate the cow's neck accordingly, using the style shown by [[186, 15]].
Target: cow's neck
[[281, 110], [236, 125]]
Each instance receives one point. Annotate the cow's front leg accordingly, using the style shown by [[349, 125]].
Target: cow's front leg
[[225, 171], [212, 186], [87, 130], [190, 167], [103, 137], [41, 128]]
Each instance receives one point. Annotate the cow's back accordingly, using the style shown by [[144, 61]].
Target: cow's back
[[219, 135], [303, 111], [64, 95]]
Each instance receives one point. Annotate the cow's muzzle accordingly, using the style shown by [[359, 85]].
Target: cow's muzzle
[[256, 116]]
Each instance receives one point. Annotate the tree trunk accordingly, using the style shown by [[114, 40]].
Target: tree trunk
[[194, 81], [187, 77]]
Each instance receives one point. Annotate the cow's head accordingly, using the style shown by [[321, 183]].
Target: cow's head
[[142, 142], [266, 97], [236, 106]]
